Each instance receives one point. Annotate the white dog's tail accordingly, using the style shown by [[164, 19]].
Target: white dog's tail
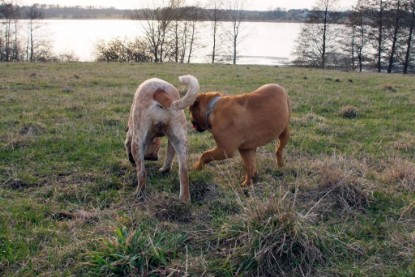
[[192, 89]]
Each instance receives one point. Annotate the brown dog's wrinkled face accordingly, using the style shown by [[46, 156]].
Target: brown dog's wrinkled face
[[198, 113], [198, 110], [151, 151]]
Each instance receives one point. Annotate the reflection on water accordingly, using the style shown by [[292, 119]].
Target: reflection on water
[[262, 42]]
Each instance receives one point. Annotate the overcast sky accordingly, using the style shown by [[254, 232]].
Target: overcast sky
[[135, 4]]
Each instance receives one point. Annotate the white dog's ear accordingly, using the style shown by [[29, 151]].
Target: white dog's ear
[[163, 98]]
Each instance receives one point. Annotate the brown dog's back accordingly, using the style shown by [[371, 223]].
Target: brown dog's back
[[252, 119]]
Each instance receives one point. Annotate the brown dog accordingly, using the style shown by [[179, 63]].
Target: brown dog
[[157, 111], [243, 122]]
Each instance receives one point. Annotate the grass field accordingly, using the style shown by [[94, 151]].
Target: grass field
[[344, 204]]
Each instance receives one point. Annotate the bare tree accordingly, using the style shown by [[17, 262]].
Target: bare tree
[[179, 29], [9, 47], [358, 23], [156, 31], [170, 31], [214, 18], [395, 26], [376, 18], [33, 14], [193, 15], [318, 39], [235, 14]]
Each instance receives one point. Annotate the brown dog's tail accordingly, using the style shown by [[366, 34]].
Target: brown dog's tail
[[192, 89]]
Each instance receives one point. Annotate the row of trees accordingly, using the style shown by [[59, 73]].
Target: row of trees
[[378, 35], [25, 42], [374, 35]]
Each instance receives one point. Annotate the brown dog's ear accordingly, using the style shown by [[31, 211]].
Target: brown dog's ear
[[163, 98]]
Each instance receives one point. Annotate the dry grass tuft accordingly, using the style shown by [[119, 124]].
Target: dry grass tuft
[[389, 88], [31, 130], [400, 172], [341, 185], [19, 185], [349, 112], [409, 212], [269, 238], [310, 118], [199, 191], [405, 142], [81, 215], [167, 208]]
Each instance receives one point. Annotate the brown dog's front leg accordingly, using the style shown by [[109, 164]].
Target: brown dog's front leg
[[215, 154], [249, 159]]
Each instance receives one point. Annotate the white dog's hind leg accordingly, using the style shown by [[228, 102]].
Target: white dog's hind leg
[[180, 146], [169, 158]]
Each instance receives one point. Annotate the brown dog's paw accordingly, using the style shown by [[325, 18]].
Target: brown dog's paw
[[185, 198], [249, 181], [246, 183], [197, 166]]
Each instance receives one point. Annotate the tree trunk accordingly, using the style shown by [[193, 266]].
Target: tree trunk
[[380, 36], [235, 38], [395, 38], [215, 20], [409, 41], [323, 52], [214, 42], [192, 38]]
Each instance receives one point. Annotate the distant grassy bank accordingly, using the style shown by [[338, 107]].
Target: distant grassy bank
[[343, 205]]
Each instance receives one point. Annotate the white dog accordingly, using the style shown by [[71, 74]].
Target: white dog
[[157, 111]]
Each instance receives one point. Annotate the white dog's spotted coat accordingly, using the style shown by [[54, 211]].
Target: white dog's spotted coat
[[157, 111]]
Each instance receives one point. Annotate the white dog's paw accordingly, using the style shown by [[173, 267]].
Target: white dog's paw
[[164, 169]]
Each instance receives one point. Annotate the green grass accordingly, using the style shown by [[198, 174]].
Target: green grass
[[344, 204]]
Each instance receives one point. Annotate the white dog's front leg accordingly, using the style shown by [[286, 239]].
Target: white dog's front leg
[[138, 149]]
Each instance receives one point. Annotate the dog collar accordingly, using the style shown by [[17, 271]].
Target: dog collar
[[210, 107]]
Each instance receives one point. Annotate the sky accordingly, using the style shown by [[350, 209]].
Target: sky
[[136, 4]]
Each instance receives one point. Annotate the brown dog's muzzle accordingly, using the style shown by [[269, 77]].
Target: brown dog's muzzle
[[197, 126]]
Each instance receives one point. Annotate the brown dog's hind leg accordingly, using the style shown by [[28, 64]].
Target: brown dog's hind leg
[[249, 159], [283, 139], [215, 154]]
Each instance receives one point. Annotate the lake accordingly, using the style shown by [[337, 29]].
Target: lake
[[267, 43]]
